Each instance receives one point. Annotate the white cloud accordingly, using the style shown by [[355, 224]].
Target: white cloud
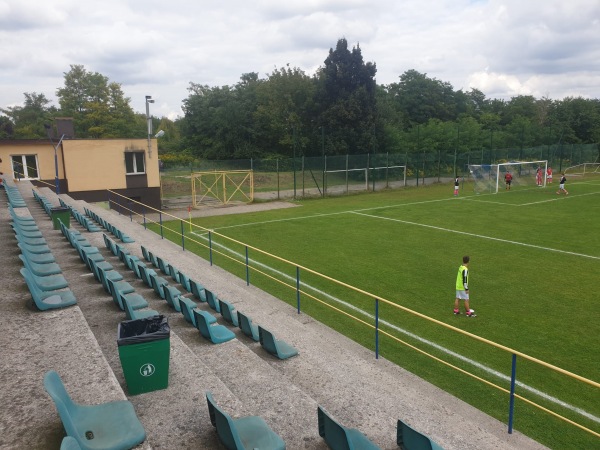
[[502, 47]]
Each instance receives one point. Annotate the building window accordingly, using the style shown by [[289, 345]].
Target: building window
[[134, 163], [25, 167]]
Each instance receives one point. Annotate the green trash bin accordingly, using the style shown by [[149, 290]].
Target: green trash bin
[[61, 214], [144, 347]]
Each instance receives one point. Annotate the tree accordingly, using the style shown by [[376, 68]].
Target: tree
[[422, 98], [98, 107], [346, 99], [28, 120]]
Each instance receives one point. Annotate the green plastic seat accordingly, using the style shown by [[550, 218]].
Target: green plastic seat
[[96, 266], [120, 290], [210, 319], [49, 282], [338, 437], [184, 280], [172, 295], [39, 258], [108, 426], [157, 284], [197, 290], [245, 433], [45, 300], [217, 334], [41, 270], [145, 253], [69, 443], [133, 314], [228, 312], [121, 252], [187, 306], [31, 241], [247, 327], [174, 272], [35, 249], [115, 277], [162, 265], [110, 244], [123, 237], [137, 268], [145, 274], [408, 438], [276, 347], [129, 261], [212, 301]]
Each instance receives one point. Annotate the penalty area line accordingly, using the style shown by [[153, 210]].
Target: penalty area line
[[481, 236]]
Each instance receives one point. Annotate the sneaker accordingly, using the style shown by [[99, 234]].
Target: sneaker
[[456, 311], [471, 313]]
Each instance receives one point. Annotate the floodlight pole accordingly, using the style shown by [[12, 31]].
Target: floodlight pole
[[149, 122]]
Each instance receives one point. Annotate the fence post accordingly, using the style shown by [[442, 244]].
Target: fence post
[[182, 236], [161, 225], [144, 214], [511, 408], [247, 268], [376, 328], [130, 212], [210, 247], [298, 288]]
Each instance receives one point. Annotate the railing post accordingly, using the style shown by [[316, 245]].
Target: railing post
[[210, 247], [182, 236], [130, 212], [376, 328], [144, 214], [247, 268], [298, 288], [511, 408], [161, 225]]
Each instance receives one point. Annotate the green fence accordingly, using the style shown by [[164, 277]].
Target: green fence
[[336, 175]]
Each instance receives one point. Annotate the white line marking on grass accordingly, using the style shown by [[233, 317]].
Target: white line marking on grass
[[559, 198], [420, 339], [478, 236]]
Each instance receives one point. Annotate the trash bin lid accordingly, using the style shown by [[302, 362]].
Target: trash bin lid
[[143, 330]]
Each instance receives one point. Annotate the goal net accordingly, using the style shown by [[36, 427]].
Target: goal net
[[489, 178], [367, 178]]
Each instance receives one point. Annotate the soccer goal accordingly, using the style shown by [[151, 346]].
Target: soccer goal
[[583, 169], [365, 178], [488, 178]]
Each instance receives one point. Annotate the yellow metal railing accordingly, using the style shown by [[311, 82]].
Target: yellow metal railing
[[369, 295]]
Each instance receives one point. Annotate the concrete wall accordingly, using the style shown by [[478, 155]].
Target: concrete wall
[[88, 167]]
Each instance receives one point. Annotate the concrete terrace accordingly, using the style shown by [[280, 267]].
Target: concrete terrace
[[79, 342]]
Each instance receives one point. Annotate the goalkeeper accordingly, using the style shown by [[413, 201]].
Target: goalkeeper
[[462, 288]]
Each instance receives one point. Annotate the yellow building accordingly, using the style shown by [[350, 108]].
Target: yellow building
[[87, 167]]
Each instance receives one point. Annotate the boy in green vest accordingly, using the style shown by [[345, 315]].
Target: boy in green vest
[[462, 288]]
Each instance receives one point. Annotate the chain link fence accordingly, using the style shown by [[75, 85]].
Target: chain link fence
[[320, 176]]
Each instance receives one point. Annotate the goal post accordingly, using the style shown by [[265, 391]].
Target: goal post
[[489, 177], [354, 178]]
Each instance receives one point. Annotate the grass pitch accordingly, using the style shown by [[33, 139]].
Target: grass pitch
[[534, 277]]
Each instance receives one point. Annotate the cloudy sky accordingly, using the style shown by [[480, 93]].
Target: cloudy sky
[[504, 48]]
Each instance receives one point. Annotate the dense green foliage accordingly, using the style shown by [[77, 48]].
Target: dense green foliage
[[339, 110]]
